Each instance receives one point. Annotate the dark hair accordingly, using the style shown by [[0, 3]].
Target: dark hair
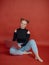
[[24, 19]]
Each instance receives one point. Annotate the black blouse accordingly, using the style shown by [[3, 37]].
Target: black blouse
[[21, 36]]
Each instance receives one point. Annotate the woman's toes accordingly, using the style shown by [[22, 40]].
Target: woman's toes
[[39, 59]]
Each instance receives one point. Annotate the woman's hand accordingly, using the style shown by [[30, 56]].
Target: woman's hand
[[19, 45]]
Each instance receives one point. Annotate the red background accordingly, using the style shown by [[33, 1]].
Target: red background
[[36, 11]]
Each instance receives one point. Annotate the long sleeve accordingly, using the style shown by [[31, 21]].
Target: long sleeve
[[14, 36], [27, 39]]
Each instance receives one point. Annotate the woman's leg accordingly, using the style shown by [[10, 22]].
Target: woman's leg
[[15, 51], [32, 45]]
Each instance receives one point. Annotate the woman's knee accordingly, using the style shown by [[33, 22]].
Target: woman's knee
[[14, 51], [32, 41], [11, 51]]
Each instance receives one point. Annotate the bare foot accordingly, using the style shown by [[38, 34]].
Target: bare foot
[[39, 59], [27, 52]]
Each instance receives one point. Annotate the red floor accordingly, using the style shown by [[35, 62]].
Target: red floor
[[7, 59]]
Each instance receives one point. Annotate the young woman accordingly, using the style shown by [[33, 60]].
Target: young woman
[[22, 35]]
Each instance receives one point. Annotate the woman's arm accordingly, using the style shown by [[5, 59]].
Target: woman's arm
[[27, 38], [15, 35]]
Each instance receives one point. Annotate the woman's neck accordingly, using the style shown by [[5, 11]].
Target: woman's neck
[[22, 28]]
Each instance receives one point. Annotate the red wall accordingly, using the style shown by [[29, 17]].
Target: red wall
[[36, 11]]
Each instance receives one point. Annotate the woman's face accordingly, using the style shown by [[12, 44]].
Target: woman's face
[[23, 24]]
